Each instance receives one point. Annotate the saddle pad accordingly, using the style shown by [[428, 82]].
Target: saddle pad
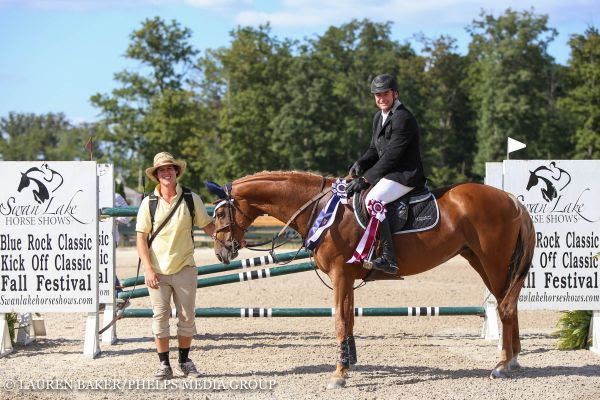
[[423, 214]]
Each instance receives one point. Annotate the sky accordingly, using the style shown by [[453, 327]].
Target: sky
[[55, 54]]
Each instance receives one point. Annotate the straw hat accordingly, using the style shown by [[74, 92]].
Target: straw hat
[[162, 159]]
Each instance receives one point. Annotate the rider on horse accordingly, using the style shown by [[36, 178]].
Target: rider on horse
[[392, 163]]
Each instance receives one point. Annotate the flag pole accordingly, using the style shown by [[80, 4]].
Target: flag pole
[[89, 147]]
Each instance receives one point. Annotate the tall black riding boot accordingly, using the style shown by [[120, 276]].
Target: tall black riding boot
[[387, 261]]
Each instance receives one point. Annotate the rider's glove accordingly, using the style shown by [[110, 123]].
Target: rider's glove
[[356, 186]]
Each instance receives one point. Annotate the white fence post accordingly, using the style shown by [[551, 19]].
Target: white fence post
[[109, 336], [91, 345], [5, 344], [595, 332], [26, 333]]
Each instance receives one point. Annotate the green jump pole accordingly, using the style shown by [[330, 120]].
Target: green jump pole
[[232, 278], [226, 312], [238, 264], [131, 211]]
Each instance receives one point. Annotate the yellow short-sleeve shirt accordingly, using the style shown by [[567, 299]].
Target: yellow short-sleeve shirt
[[173, 248]]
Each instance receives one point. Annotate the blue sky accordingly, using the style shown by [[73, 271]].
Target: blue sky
[[55, 54]]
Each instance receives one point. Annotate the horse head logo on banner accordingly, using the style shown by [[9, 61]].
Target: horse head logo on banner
[[39, 180], [551, 179]]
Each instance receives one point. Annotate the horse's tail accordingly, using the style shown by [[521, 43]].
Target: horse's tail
[[520, 262]]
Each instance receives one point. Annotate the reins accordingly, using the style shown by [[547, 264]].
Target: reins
[[230, 202]]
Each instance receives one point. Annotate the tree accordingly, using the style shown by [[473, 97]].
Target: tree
[[446, 123], [327, 122], [251, 76], [30, 137], [509, 81], [582, 100], [150, 112]]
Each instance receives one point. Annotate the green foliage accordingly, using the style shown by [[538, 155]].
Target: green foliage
[[249, 90], [574, 328], [155, 110], [11, 321], [326, 123], [508, 80], [30, 137], [582, 100], [448, 135]]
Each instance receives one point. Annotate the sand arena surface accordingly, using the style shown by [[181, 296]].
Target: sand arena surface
[[398, 357]]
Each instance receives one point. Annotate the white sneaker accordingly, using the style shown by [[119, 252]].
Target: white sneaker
[[189, 369]]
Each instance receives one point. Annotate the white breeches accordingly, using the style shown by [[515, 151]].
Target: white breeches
[[387, 191]]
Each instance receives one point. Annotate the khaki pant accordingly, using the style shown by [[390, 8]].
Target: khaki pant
[[182, 287]]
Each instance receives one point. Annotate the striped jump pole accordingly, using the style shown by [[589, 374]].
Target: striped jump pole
[[239, 264], [226, 312], [233, 278]]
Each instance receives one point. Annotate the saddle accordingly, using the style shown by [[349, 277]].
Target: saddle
[[416, 211]]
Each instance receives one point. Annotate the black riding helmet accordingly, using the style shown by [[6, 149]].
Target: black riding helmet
[[384, 82]]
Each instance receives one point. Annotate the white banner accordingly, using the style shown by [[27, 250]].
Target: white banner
[[48, 236], [563, 198], [106, 245]]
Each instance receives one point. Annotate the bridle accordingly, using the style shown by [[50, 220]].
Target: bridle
[[233, 246]]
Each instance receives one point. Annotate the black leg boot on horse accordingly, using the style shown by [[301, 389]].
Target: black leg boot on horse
[[387, 262]]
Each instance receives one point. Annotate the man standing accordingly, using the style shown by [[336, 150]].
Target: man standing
[[168, 261], [392, 163]]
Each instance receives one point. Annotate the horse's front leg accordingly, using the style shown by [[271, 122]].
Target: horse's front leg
[[344, 322]]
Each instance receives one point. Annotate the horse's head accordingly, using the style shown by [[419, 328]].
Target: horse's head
[[533, 180], [233, 216], [231, 224], [24, 182]]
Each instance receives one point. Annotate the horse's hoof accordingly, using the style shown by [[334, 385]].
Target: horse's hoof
[[336, 383], [499, 372], [514, 365]]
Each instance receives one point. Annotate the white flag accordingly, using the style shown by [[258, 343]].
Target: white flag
[[514, 145]]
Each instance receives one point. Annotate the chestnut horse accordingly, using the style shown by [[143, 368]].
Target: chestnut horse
[[485, 225]]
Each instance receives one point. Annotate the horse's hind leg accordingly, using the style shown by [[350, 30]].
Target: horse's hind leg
[[516, 344], [506, 354]]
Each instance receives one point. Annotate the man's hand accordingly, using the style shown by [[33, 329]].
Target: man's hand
[[151, 279], [356, 170], [356, 186]]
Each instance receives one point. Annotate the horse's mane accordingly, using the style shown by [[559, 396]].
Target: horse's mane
[[277, 175]]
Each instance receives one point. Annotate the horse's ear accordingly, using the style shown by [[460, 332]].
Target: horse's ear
[[215, 189]]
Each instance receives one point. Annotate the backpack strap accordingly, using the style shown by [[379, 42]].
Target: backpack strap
[[152, 204], [189, 201]]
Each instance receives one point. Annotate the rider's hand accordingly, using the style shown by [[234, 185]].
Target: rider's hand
[[356, 170], [356, 186]]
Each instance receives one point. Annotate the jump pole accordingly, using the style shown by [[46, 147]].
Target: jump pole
[[233, 278], [238, 264], [227, 312]]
